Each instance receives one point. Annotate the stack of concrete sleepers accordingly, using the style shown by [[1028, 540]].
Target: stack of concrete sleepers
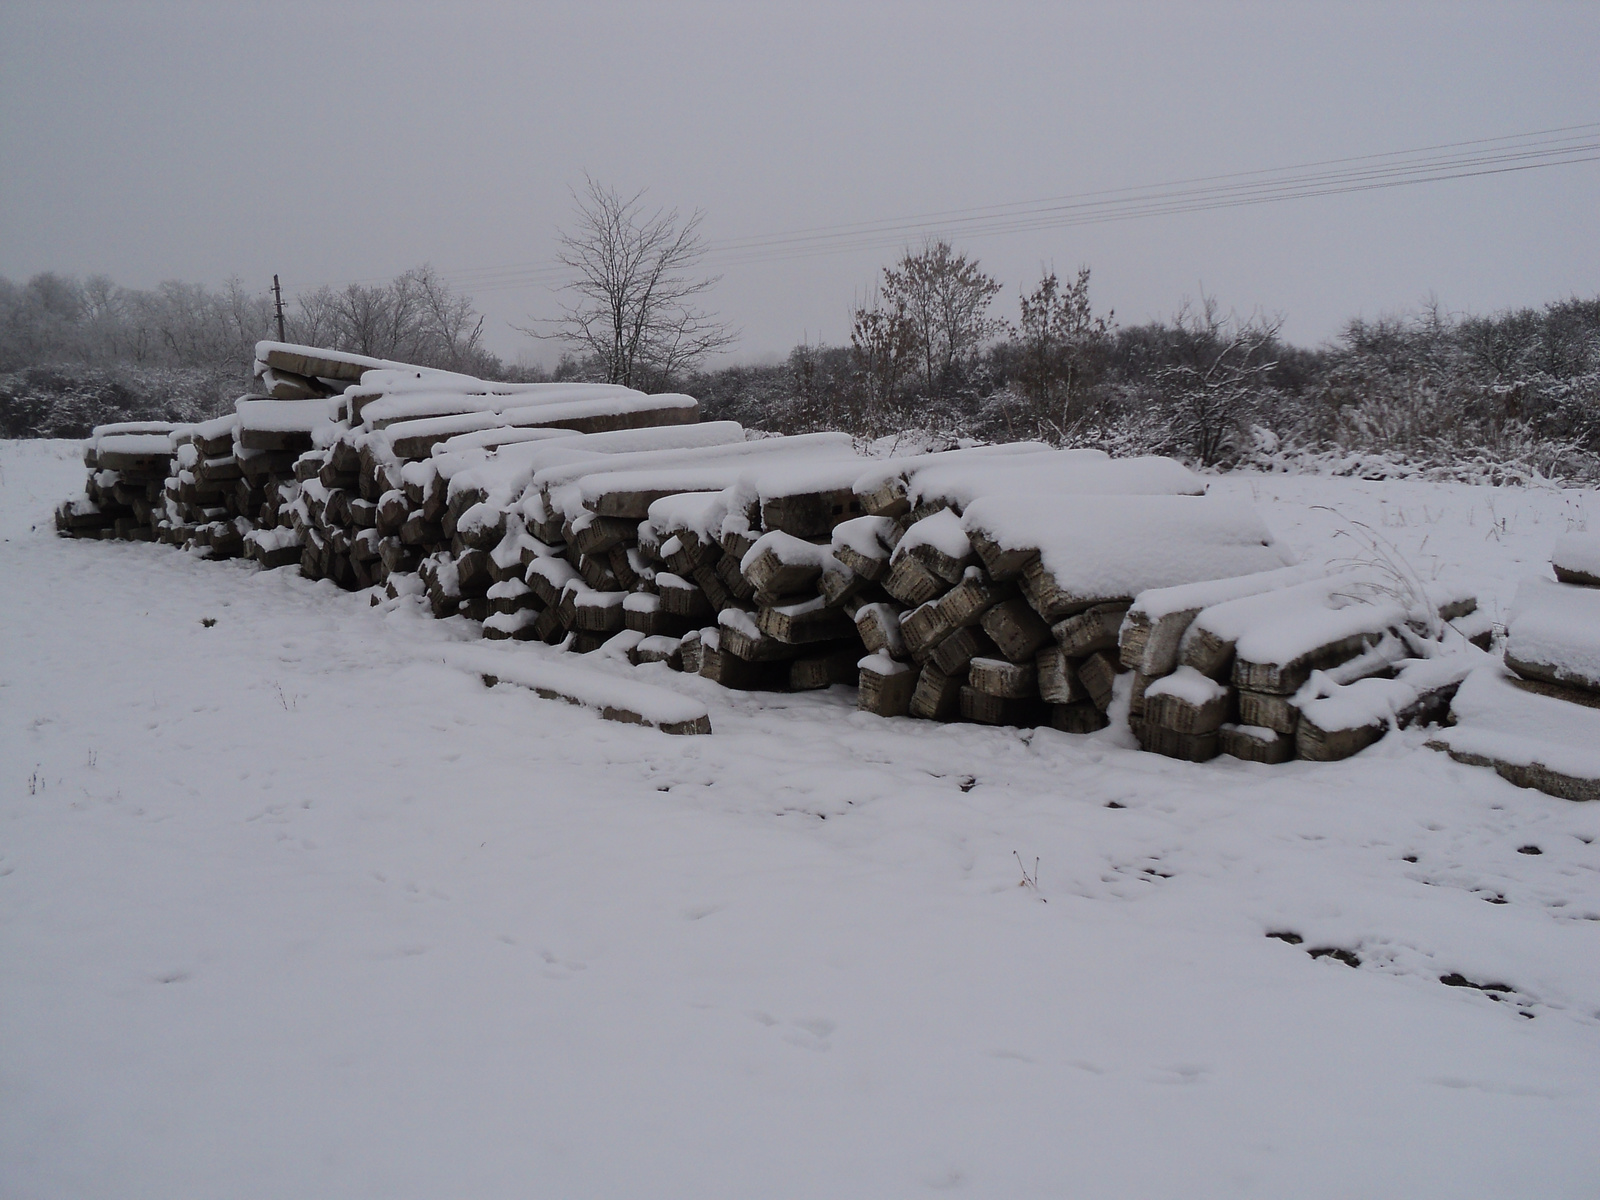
[[124, 495], [1008, 612], [1293, 662], [1014, 584], [1536, 718]]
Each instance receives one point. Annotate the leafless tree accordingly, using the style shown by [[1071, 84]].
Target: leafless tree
[[449, 329], [377, 320], [945, 297], [1061, 344], [883, 345], [636, 289]]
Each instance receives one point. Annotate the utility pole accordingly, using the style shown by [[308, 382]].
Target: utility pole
[[277, 298]]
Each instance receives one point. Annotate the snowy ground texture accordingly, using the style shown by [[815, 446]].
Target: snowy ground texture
[[291, 907]]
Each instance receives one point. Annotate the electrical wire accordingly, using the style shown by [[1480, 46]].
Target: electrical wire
[[1537, 149]]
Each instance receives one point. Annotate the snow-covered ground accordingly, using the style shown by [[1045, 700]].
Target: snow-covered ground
[[289, 906]]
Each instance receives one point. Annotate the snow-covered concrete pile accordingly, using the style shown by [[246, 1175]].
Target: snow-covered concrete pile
[[813, 566], [211, 484], [128, 467], [1290, 663], [1019, 596], [293, 475], [1536, 720], [1009, 585], [289, 372]]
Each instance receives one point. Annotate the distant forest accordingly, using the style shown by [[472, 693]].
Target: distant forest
[[1508, 397]]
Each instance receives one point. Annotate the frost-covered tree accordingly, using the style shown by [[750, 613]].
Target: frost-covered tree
[[415, 317], [1218, 377]]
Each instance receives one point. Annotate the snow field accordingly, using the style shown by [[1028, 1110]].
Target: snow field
[[292, 905]]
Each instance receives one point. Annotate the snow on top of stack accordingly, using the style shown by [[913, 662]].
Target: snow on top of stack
[[505, 473], [1576, 558], [1500, 723], [1554, 633], [885, 470], [692, 469], [1188, 685], [134, 443], [1375, 700], [132, 437], [1290, 601], [1103, 547], [510, 468], [499, 436], [867, 536], [396, 397], [121, 427], [1053, 473], [379, 408], [1290, 634], [609, 402], [701, 512], [942, 530], [663, 437], [218, 427], [316, 362], [282, 416], [1156, 603], [389, 398], [440, 426], [792, 550], [385, 398], [835, 468]]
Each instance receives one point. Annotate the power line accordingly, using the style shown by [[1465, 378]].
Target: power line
[[1537, 149], [1158, 206], [1424, 161]]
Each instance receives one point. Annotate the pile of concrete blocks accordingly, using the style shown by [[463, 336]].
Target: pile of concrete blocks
[[1535, 718], [1294, 663]]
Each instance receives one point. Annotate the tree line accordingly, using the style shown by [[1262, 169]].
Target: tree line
[[1514, 395], [931, 351], [75, 353], [1504, 397]]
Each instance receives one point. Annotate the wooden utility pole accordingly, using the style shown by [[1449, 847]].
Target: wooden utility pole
[[277, 299]]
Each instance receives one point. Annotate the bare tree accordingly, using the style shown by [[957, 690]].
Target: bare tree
[[636, 308], [449, 330], [1063, 345], [376, 321], [883, 344], [945, 298]]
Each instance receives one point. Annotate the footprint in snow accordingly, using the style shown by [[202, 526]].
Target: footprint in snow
[[1181, 1073], [399, 952], [808, 1033], [1010, 1056], [944, 1180], [560, 968]]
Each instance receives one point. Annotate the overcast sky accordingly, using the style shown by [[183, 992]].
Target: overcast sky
[[340, 141]]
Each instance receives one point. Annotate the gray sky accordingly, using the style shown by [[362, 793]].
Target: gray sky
[[341, 141]]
